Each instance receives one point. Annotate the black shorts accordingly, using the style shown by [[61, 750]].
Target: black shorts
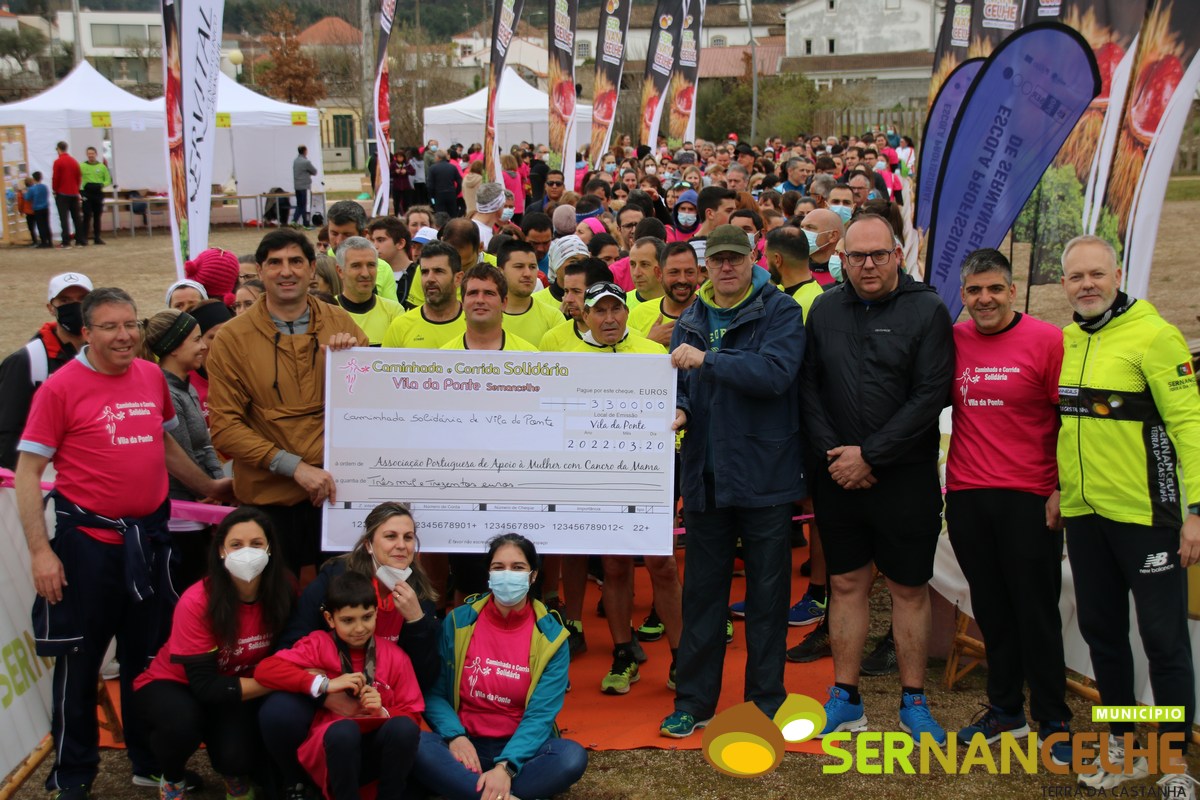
[[895, 523]]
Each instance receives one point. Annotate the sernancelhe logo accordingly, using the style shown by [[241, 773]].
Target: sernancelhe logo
[[744, 743]]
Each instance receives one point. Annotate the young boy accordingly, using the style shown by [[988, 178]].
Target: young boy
[[379, 740]]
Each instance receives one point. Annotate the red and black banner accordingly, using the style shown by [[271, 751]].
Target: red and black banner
[[563, 15], [681, 111], [660, 61], [504, 25], [610, 63]]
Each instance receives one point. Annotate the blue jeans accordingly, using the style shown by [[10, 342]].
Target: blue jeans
[[766, 548], [558, 764], [301, 212]]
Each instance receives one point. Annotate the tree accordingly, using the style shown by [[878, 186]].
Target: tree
[[22, 46], [145, 53], [292, 76]]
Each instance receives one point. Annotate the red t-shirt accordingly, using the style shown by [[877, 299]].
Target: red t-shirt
[[191, 635], [65, 177], [495, 676], [105, 435], [1005, 403]]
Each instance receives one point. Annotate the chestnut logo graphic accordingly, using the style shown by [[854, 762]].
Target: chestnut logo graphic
[[743, 742]]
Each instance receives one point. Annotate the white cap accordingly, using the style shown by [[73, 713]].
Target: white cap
[[426, 235], [60, 283]]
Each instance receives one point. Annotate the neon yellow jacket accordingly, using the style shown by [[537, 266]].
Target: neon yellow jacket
[[1130, 421]]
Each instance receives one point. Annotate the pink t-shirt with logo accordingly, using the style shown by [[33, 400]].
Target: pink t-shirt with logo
[[495, 676], [192, 635], [1005, 401], [105, 435]]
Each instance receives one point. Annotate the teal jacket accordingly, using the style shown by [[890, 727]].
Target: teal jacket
[[548, 661]]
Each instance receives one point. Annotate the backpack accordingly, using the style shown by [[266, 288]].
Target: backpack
[[39, 361]]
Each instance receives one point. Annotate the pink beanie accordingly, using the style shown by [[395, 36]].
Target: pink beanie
[[596, 225], [217, 270]]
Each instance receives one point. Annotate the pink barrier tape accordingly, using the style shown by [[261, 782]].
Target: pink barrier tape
[[180, 509]]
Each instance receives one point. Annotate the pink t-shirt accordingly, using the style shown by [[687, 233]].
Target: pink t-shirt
[[191, 635], [1005, 403], [495, 676], [105, 435], [620, 273]]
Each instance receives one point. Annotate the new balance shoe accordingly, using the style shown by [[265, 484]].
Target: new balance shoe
[[806, 612], [992, 722], [1101, 778], [680, 725], [815, 646], [738, 609], [1177, 786], [652, 628], [882, 660], [841, 714], [622, 674], [1060, 750], [915, 719]]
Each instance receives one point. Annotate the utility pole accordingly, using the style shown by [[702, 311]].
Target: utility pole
[[78, 49], [753, 72]]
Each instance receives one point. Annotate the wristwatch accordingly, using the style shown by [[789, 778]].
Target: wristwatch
[[1194, 508], [512, 773]]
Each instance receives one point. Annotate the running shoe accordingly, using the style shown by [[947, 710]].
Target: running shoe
[[738, 609], [992, 722], [652, 628], [806, 612], [622, 675], [576, 643], [915, 719], [672, 678], [1103, 779], [882, 660], [815, 646], [1177, 786], [680, 725], [1060, 751], [841, 714]]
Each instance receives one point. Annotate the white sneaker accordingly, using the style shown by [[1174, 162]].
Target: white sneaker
[[1177, 786], [1103, 779]]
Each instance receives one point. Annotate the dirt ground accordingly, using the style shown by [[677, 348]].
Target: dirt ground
[[142, 265]]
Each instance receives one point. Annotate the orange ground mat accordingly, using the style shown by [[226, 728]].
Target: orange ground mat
[[627, 722]]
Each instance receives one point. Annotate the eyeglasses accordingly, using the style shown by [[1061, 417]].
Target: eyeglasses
[[878, 257], [113, 327], [732, 259], [628, 226], [554, 183]]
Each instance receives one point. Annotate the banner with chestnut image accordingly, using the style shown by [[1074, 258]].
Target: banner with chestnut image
[[504, 25], [191, 55], [563, 19], [1163, 80], [681, 108], [1020, 109], [660, 61], [610, 63], [383, 114], [970, 29], [1068, 199]]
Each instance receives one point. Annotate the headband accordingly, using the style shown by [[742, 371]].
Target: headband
[[174, 336]]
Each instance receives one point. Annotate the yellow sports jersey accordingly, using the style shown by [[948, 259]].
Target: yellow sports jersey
[[805, 294], [533, 323], [511, 342], [375, 323], [632, 343], [416, 294], [546, 298], [633, 299], [560, 339], [645, 316], [385, 278], [413, 330]]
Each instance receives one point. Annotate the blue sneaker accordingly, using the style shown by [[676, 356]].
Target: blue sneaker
[[1060, 752], [806, 612], [738, 609], [841, 714], [916, 720], [992, 722]]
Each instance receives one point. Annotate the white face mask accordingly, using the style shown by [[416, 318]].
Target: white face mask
[[651, 169], [506, 214], [750, 238], [390, 576], [247, 563]]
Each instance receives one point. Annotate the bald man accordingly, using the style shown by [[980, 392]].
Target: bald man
[[824, 231]]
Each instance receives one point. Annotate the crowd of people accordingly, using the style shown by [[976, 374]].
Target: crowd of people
[[812, 369]]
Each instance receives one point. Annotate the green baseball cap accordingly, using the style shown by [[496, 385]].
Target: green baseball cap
[[727, 239]]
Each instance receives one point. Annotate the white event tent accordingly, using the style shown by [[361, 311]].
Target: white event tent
[[522, 114], [78, 110]]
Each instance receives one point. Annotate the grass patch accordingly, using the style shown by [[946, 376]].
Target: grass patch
[[1183, 188]]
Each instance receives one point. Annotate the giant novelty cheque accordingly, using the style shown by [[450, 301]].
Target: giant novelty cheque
[[573, 450]]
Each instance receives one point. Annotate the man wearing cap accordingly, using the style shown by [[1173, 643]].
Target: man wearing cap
[[489, 203], [738, 352], [485, 291], [562, 251], [266, 397], [440, 319], [422, 237], [54, 345], [356, 260], [104, 420]]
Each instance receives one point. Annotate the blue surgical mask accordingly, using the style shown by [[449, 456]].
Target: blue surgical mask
[[508, 587], [842, 211], [812, 241], [687, 220], [835, 267], [610, 168], [750, 238], [506, 214], [433, 148]]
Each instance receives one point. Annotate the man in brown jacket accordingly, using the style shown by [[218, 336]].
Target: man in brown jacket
[[266, 395]]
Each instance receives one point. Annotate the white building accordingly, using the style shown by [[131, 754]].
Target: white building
[[725, 25], [527, 52], [858, 27], [123, 46]]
